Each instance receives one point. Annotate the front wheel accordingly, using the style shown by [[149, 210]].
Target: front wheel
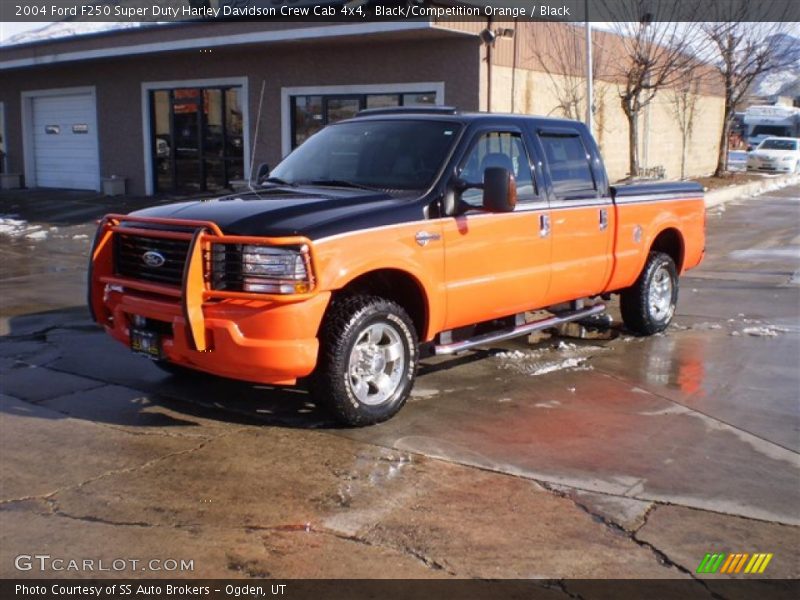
[[368, 360], [649, 304]]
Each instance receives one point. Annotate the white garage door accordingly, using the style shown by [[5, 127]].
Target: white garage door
[[65, 141]]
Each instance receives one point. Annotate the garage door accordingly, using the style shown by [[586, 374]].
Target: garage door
[[65, 141]]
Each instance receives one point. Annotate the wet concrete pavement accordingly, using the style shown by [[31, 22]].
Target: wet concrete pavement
[[563, 457]]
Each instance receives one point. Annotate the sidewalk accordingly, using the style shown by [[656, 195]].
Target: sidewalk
[[768, 184]]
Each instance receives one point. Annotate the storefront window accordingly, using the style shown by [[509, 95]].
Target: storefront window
[[307, 117], [311, 113], [383, 100], [197, 138], [417, 99], [342, 108]]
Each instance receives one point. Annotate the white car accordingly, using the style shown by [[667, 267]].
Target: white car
[[776, 155]]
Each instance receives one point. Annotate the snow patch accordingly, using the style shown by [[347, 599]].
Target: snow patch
[[775, 185], [36, 235], [19, 228], [563, 355], [551, 367], [764, 331], [548, 404], [61, 29], [676, 409], [766, 253], [424, 393]]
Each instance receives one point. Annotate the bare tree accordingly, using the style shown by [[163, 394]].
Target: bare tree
[[683, 97], [559, 49], [742, 52], [651, 53]]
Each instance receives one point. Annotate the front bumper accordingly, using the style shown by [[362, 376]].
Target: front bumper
[[266, 343], [253, 337]]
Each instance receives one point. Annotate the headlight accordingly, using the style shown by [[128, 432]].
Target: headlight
[[787, 158], [262, 269]]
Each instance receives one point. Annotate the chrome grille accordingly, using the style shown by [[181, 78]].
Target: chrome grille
[[129, 255]]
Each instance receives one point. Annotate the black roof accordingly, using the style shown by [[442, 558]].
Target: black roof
[[450, 113]]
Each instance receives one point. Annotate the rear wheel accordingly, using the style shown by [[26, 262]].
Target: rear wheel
[[649, 304], [368, 360]]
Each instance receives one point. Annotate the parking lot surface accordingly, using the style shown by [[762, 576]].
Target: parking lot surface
[[557, 457]]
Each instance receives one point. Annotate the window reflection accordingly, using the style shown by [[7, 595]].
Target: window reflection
[[311, 113], [497, 149]]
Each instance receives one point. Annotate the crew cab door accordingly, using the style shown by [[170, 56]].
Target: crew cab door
[[496, 264], [582, 214]]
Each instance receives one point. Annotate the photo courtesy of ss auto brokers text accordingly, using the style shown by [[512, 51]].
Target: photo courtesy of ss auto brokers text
[[134, 590], [399, 299]]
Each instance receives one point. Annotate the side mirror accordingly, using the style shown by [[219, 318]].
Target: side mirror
[[499, 190], [262, 172]]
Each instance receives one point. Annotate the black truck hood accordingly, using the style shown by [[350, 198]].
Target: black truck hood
[[312, 212]]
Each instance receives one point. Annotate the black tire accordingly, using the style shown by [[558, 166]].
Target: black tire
[[341, 376], [639, 313]]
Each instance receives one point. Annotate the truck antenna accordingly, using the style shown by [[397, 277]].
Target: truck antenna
[[255, 136]]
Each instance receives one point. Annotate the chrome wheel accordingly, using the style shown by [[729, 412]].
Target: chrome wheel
[[376, 365], [660, 295]]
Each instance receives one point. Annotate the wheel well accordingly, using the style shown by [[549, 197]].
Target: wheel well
[[397, 286], [670, 242]]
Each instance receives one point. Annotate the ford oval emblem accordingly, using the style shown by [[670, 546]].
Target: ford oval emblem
[[153, 259]]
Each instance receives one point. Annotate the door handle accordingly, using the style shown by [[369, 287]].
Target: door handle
[[603, 219], [423, 237], [544, 225]]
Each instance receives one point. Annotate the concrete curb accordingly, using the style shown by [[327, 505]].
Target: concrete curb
[[721, 196]]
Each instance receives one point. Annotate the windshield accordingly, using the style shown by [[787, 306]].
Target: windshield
[[778, 145], [769, 130], [392, 154]]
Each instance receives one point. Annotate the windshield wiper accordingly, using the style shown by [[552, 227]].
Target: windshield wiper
[[337, 183], [278, 181]]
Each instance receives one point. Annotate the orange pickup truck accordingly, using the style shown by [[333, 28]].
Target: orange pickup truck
[[394, 235]]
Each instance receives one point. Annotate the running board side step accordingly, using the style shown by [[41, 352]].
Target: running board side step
[[498, 336]]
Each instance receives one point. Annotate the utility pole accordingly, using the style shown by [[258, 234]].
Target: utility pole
[[589, 74]]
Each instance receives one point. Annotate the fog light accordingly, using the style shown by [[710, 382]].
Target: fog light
[[261, 286]]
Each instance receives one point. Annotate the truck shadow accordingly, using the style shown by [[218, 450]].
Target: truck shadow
[[61, 365]]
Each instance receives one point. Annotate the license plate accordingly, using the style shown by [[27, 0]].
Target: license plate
[[147, 343]]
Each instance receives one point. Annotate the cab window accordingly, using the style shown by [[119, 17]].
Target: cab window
[[497, 149]]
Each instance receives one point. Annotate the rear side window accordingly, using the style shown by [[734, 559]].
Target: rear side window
[[569, 164]]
